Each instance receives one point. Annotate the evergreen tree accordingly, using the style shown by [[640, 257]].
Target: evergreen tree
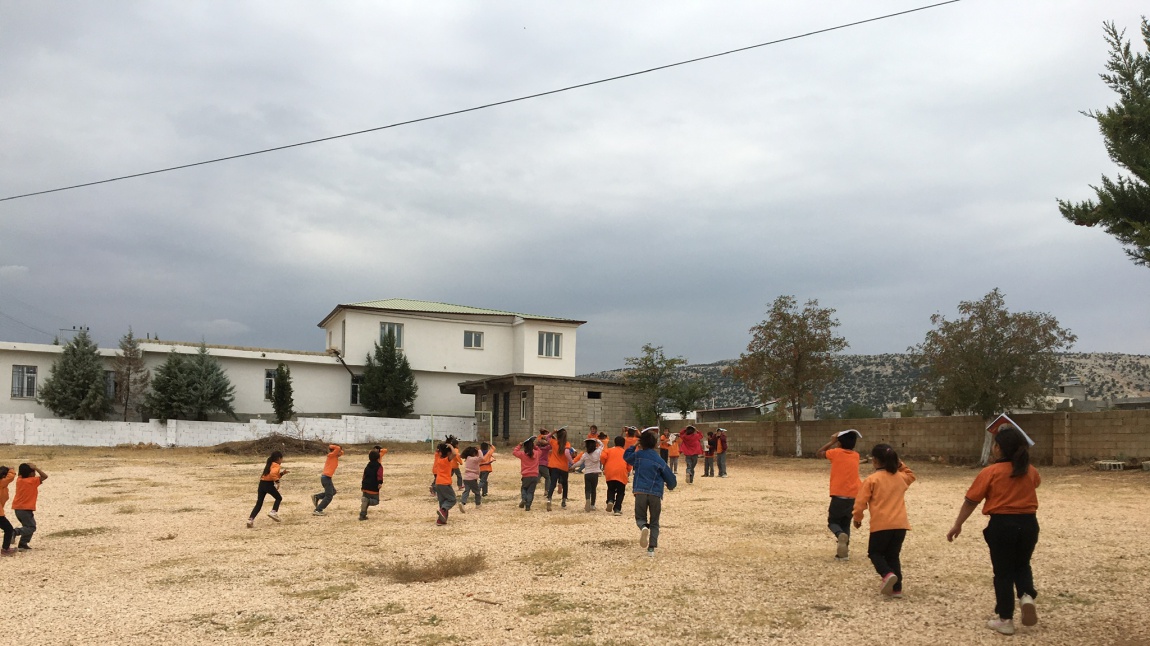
[[77, 386], [170, 396], [389, 386], [282, 400], [132, 378], [211, 390]]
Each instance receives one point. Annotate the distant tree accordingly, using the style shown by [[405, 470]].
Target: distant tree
[[650, 377], [282, 400], [790, 356], [1123, 205], [171, 393], [858, 411], [212, 391], [77, 385], [132, 378], [989, 361], [388, 386], [684, 395]]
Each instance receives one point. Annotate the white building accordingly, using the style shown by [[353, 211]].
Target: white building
[[445, 345]]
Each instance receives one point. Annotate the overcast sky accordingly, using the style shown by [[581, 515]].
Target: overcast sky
[[888, 170]]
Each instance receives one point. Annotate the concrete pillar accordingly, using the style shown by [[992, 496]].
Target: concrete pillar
[[1060, 451]]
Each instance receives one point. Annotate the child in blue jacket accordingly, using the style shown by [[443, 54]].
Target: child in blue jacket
[[651, 472]]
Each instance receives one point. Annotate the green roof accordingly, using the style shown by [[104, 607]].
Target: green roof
[[408, 305]]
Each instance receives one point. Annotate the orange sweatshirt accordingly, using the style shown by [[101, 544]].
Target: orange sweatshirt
[[615, 469], [4, 482], [27, 491], [486, 460], [1004, 494], [884, 493], [844, 472], [273, 473], [332, 461], [442, 467], [555, 459]]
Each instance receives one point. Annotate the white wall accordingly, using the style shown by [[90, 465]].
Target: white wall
[[533, 364], [32, 430]]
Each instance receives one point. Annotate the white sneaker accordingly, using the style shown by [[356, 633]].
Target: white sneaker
[[274, 516], [1001, 626], [251, 522], [1029, 610], [644, 536], [317, 513], [462, 509], [650, 552]]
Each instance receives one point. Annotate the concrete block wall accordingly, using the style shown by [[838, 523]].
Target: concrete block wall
[[571, 407]]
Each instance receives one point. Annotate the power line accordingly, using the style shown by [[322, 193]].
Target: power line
[[34, 329], [486, 105]]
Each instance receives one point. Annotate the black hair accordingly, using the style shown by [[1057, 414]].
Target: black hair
[[483, 446], [1014, 448], [848, 440], [591, 445], [602, 435], [886, 457], [373, 455], [444, 449], [274, 457], [619, 441], [648, 440], [560, 441], [529, 447], [25, 470], [452, 440], [469, 452], [3, 471], [593, 428]]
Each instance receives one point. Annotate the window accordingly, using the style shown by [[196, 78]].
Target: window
[[356, 382], [395, 329], [483, 402], [269, 383], [549, 344], [473, 340], [522, 404], [24, 381], [594, 394], [110, 384]]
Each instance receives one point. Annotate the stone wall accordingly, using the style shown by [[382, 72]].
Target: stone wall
[[569, 405], [1060, 438]]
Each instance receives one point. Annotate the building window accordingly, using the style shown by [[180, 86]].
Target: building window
[[473, 340], [522, 404], [110, 384], [594, 394], [269, 384], [356, 382], [483, 402], [549, 344], [395, 329], [24, 381]]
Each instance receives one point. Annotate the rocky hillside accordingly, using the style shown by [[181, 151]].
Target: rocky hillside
[[880, 380]]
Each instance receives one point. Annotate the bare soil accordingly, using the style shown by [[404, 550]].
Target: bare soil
[[148, 545]]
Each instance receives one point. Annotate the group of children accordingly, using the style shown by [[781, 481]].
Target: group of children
[[1008, 487], [28, 477]]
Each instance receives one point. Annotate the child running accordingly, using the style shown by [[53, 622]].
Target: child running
[[471, 464], [691, 446], [6, 477], [372, 482], [322, 499], [24, 502], [665, 446], [651, 472], [1009, 487], [709, 456], [445, 464], [592, 467], [454, 442], [558, 464], [542, 444], [487, 453], [673, 453], [616, 471], [844, 486], [268, 487], [528, 471], [883, 492]]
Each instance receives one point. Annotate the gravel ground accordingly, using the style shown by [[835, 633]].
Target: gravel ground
[[146, 546]]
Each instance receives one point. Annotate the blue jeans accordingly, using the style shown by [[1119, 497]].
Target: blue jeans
[[328, 493], [722, 460], [647, 510], [692, 460]]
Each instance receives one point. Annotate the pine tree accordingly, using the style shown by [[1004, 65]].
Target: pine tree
[[170, 396], [132, 378], [389, 386], [77, 386], [282, 400], [211, 390]]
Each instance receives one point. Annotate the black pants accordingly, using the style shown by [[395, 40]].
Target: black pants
[[267, 488], [8, 531], [884, 549], [590, 486], [544, 476], [558, 477], [1011, 539], [839, 515], [615, 491], [663, 453], [483, 476]]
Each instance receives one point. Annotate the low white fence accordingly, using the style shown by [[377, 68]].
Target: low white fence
[[28, 429]]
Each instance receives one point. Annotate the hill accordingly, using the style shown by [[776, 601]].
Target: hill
[[881, 380]]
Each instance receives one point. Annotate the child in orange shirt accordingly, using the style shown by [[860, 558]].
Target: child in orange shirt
[[664, 447], [884, 492], [268, 486], [487, 453], [1009, 487], [321, 500], [6, 476], [446, 463], [24, 502], [673, 453], [844, 486], [559, 464], [615, 471]]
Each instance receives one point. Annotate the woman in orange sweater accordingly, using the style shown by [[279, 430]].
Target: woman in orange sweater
[[268, 487], [1009, 487], [884, 493]]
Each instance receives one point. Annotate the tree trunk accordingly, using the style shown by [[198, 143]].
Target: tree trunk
[[798, 440]]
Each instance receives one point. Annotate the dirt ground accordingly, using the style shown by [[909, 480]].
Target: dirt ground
[[146, 546]]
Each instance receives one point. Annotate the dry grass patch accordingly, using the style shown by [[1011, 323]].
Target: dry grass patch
[[166, 537], [127, 509], [100, 500], [184, 510], [442, 567], [77, 533], [577, 626], [547, 602], [324, 594], [612, 543]]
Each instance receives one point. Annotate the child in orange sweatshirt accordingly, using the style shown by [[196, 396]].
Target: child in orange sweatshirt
[[446, 462], [269, 486], [6, 476], [844, 486], [884, 493], [321, 500]]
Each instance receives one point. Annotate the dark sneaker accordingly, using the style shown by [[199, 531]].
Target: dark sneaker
[[24, 548], [363, 516], [315, 500]]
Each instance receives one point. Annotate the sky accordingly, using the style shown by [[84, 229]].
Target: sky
[[888, 170]]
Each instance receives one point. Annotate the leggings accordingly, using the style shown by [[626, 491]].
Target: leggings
[[558, 477], [8, 531], [267, 488], [1011, 539], [590, 485], [884, 549]]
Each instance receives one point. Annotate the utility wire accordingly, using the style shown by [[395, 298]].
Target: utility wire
[[34, 329], [488, 105]]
